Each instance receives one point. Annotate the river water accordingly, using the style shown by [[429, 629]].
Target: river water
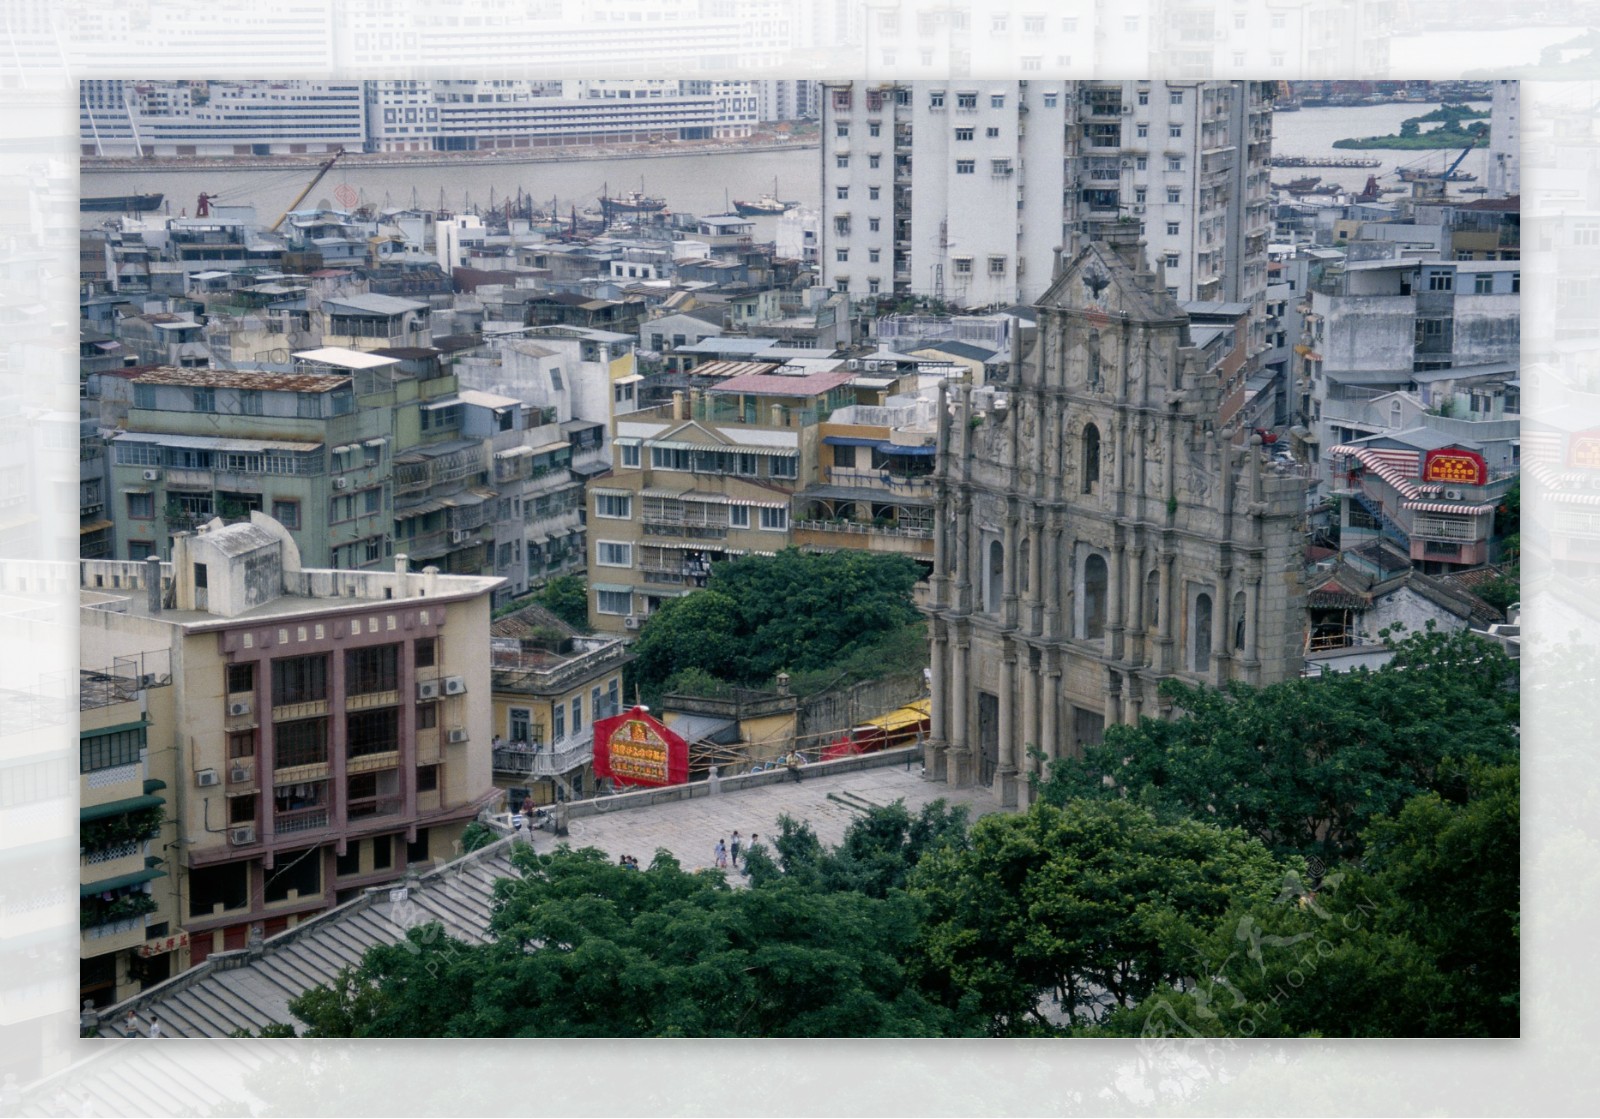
[[700, 183]]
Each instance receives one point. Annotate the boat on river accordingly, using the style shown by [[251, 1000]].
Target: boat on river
[[121, 204]]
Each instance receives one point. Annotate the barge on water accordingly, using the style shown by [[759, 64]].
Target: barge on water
[[121, 204]]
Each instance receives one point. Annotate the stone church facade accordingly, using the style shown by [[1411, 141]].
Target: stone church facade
[[1100, 533]]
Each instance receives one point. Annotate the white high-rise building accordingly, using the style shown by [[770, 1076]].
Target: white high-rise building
[[1505, 140], [961, 189]]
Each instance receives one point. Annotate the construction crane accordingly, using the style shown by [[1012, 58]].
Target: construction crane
[[1450, 170], [309, 188]]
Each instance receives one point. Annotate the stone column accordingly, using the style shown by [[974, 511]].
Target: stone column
[[933, 751], [1009, 581], [1006, 780], [1136, 618], [1252, 616], [1036, 572], [1115, 607], [1029, 735], [1049, 708], [1052, 588], [1221, 632], [1112, 710], [958, 753], [1165, 613]]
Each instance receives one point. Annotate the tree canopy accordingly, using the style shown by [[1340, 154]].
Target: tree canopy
[[793, 612], [1305, 765]]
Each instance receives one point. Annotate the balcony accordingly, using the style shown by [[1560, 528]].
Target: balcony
[[909, 540], [544, 761], [365, 763], [302, 820], [364, 807]]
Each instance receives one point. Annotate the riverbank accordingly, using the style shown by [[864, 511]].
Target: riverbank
[[562, 154]]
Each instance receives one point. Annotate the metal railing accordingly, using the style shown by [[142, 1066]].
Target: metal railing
[[305, 819]]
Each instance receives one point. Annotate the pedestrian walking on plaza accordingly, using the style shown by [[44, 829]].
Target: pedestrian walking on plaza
[[737, 844], [155, 1027], [792, 760], [721, 854]]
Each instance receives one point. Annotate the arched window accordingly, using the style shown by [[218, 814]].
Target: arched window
[[1091, 457], [1152, 601], [1238, 621], [1202, 633], [1094, 597], [1022, 566], [997, 570]]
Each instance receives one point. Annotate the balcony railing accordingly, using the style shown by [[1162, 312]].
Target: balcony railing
[[108, 854], [544, 762], [305, 819], [374, 806], [861, 528]]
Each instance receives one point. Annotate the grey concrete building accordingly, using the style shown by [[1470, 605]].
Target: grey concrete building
[[1100, 531]]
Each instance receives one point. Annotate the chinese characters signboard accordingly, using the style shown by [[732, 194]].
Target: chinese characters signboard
[[1456, 467], [635, 749], [163, 944]]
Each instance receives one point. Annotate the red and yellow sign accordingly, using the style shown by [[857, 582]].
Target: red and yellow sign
[[163, 944], [1584, 450], [1455, 466], [635, 749]]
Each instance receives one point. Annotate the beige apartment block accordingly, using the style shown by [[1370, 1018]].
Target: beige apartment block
[[328, 729]]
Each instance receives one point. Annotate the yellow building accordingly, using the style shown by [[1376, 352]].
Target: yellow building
[[550, 685], [328, 727]]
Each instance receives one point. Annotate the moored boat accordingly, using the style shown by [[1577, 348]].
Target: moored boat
[[121, 204]]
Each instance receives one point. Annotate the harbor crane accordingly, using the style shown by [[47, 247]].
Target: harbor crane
[[317, 178]]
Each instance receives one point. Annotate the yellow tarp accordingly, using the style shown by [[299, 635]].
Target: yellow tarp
[[907, 716]]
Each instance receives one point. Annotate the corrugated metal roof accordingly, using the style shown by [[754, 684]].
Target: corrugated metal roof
[[213, 443], [243, 379]]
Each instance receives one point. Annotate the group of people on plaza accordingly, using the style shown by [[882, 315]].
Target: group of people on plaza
[[726, 854]]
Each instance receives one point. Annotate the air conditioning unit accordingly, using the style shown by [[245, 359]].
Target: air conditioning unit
[[205, 778], [852, 364], [152, 475], [341, 483], [631, 621], [458, 536], [1127, 110], [239, 707], [427, 689], [240, 837], [1138, 208], [1452, 495], [240, 773], [455, 685], [458, 735]]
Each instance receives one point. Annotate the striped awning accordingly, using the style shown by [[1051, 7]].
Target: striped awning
[[1569, 498], [713, 498], [1393, 466], [1444, 507]]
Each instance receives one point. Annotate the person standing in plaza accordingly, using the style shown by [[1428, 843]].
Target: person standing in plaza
[[720, 854], [737, 844]]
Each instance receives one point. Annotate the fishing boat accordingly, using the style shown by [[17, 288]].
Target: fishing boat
[[1323, 161], [121, 204], [633, 202], [1299, 186], [766, 204]]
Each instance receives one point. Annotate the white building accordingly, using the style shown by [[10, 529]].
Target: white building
[[1505, 140], [949, 189], [210, 118]]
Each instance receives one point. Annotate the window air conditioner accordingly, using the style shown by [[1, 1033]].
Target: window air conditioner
[[631, 621], [205, 778], [457, 536], [341, 483], [1452, 495], [427, 689], [239, 774], [239, 837], [152, 475], [239, 707], [457, 735], [455, 685]]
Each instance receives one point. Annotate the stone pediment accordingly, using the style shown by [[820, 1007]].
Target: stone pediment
[[1098, 283], [692, 432]]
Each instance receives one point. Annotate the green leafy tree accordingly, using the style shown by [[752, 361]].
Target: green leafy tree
[[1305, 765], [1052, 917], [567, 597]]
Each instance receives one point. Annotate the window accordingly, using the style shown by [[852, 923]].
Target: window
[[966, 166], [842, 193], [299, 680], [1130, 24], [1095, 581], [614, 602], [242, 810], [1202, 633], [872, 224], [964, 134], [1141, 163], [1277, 59], [374, 669], [998, 100], [1050, 101], [1172, 229], [842, 129], [1482, 284], [1033, 62], [1175, 97], [993, 587], [1142, 130], [1278, 21], [302, 742], [936, 99], [286, 513], [1516, 282], [1138, 194], [1171, 260], [1000, 167], [1070, 25], [997, 266], [874, 129], [842, 162], [427, 778], [141, 506], [739, 516], [427, 716], [997, 24], [782, 466], [614, 506], [1238, 59], [577, 714], [775, 520], [963, 265], [1174, 163], [630, 455], [841, 255], [1441, 281], [872, 194], [371, 500], [873, 255], [966, 100], [559, 731], [992, 132], [1091, 457], [1174, 194], [241, 678], [106, 751], [1144, 97], [418, 852], [372, 732], [609, 553], [204, 400], [1175, 131], [873, 161]]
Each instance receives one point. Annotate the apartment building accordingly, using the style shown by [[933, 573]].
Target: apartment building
[[328, 728], [551, 685], [220, 118], [961, 190], [1505, 140], [714, 474]]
